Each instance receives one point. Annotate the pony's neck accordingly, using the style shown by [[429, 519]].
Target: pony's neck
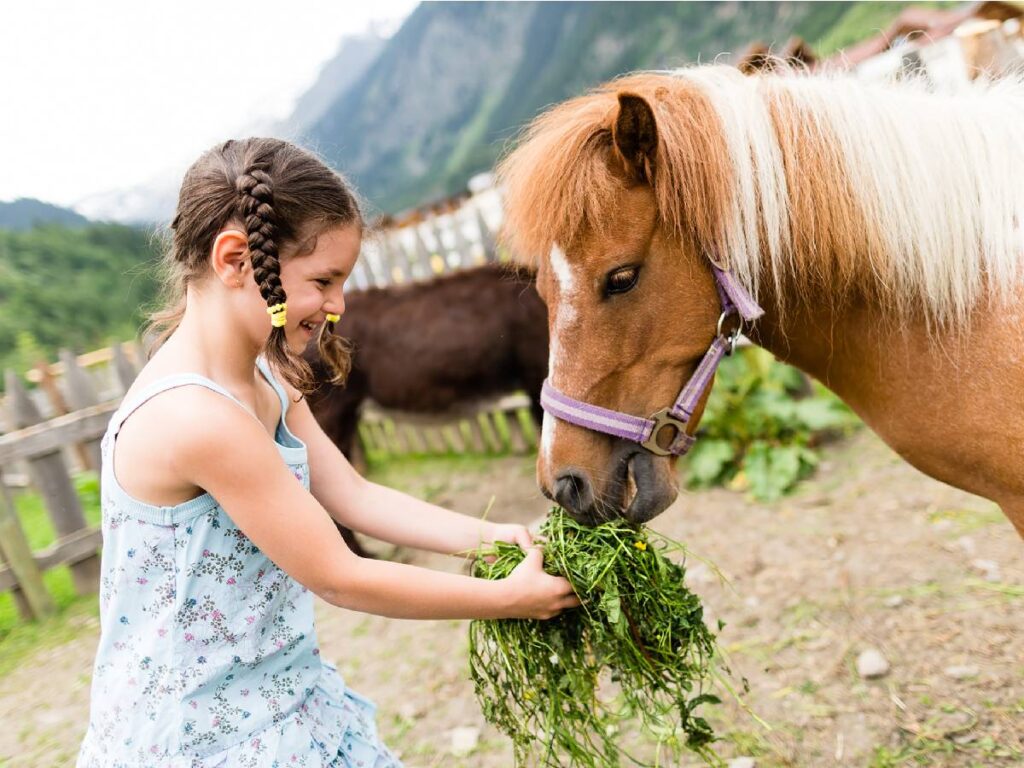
[[928, 395], [856, 345], [807, 335]]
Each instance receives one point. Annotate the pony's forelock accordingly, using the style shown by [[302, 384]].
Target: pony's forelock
[[559, 178]]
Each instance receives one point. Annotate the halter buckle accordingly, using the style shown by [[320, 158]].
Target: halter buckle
[[662, 419]]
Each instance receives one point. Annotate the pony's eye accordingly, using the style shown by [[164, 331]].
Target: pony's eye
[[621, 280]]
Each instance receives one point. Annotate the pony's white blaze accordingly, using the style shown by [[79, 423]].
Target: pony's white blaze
[[563, 272], [549, 423], [547, 436], [563, 316]]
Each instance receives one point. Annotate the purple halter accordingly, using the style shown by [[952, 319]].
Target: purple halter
[[735, 301]]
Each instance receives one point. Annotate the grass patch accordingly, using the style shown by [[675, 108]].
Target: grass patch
[[40, 533], [932, 741], [35, 522], [27, 638], [409, 473], [485, 435], [968, 520]]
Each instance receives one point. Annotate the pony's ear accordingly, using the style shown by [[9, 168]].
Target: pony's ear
[[635, 133]]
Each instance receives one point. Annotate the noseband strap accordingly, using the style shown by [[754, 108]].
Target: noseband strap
[[735, 300]]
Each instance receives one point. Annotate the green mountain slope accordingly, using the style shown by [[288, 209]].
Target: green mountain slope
[[75, 288], [25, 213]]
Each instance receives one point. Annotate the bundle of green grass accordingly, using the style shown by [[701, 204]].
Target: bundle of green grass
[[637, 649]]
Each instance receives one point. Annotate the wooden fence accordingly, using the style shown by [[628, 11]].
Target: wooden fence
[[51, 435]]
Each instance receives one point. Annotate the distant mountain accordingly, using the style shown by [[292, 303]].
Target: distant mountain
[[25, 213], [355, 54], [458, 79], [151, 202]]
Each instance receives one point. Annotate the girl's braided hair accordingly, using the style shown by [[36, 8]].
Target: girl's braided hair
[[285, 197]]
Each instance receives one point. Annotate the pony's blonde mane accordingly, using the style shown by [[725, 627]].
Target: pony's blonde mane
[[912, 196]]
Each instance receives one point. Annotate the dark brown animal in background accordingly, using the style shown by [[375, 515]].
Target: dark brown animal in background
[[425, 347]]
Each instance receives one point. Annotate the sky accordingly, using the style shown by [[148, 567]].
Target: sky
[[97, 96]]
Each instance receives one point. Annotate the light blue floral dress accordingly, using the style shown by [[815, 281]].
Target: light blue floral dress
[[208, 656]]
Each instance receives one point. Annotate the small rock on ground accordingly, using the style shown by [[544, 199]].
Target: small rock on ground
[[962, 671], [872, 664]]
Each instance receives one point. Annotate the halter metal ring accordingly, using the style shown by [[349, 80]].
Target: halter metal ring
[[662, 419], [733, 337]]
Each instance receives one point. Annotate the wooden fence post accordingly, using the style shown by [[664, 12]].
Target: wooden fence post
[[123, 368], [48, 383], [82, 394], [30, 594], [395, 259], [373, 263], [462, 244], [50, 477], [424, 269], [442, 247], [138, 347], [490, 247]]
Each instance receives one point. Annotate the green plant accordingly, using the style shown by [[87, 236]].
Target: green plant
[[760, 427]]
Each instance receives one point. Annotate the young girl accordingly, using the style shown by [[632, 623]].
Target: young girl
[[219, 489]]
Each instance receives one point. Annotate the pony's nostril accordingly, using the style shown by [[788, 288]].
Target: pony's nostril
[[573, 492]]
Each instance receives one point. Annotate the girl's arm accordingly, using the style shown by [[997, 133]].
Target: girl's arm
[[383, 512], [222, 449]]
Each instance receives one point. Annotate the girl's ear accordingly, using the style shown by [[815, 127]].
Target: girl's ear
[[230, 256]]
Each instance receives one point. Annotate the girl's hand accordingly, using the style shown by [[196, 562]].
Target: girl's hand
[[535, 594], [513, 534]]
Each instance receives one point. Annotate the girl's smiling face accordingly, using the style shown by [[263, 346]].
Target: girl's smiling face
[[314, 281]]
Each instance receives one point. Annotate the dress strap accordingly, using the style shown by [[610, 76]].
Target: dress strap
[[272, 380]]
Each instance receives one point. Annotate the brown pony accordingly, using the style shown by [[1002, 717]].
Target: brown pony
[[427, 346], [879, 226]]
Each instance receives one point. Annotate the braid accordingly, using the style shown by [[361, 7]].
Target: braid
[[256, 207]]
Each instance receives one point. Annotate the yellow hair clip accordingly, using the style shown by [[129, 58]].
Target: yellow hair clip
[[333, 318], [277, 314]]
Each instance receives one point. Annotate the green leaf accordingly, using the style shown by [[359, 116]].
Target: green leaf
[[772, 470], [708, 461], [611, 604], [822, 413]]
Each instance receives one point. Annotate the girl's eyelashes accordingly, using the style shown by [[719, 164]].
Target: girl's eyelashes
[[323, 282]]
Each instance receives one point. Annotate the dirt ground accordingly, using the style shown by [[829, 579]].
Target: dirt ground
[[868, 554]]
